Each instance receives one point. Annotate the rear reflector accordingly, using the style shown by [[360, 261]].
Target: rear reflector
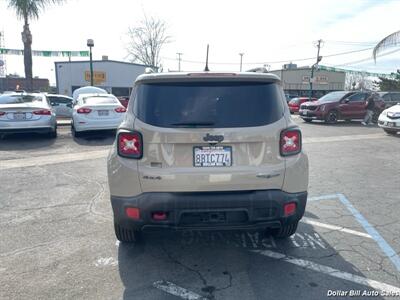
[[133, 213], [84, 110], [130, 144], [42, 112], [120, 109], [289, 209], [159, 216], [290, 143]]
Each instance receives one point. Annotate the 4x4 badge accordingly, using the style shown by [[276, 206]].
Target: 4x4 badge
[[213, 138]]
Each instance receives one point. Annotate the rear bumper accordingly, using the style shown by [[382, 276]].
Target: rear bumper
[[96, 125], [210, 210], [27, 130]]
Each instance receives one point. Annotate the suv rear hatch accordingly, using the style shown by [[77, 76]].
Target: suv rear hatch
[[210, 135]]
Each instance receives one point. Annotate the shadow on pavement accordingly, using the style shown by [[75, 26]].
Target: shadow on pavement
[[96, 138], [25, 141], [231, 265]]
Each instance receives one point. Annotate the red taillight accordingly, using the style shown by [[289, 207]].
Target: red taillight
[[133, 213], [289, 209], [2, 113], [84, 110], [130, 144], [159, 216], [42, 112], [120, 109], [290, 143]]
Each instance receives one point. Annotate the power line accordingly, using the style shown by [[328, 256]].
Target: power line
[[273, 62], [367, 59]]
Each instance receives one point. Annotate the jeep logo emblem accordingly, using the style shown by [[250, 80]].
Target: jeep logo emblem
[[213, 138]]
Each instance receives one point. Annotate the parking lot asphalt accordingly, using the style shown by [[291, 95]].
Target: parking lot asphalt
[[57, 238]]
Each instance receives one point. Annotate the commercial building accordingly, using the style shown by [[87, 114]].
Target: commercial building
[[116, 77], [296, 80], [11, 83]]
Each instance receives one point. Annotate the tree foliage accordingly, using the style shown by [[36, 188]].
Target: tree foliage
[[146, 41], [27, 10], [389, 84]]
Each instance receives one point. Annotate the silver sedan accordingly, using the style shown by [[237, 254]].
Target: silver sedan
[[27, 112]]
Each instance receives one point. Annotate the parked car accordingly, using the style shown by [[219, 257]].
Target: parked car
[[86, 90], [390, 98], [124, 101], [290, 97], [27, 112], [96, 112], [389, 119], [294, 104], [207, 151], [342, 105], [61, 104]]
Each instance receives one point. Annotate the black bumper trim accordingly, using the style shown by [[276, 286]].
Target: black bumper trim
[[264, 209]]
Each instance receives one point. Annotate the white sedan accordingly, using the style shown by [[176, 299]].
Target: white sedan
[[389, 119], [96, 112]]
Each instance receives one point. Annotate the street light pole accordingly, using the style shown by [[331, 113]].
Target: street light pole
[[179, 60], [90, 44], [313, 66], [241, 60]]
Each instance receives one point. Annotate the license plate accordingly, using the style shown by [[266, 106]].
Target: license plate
[[102, 112], [391, 124], [212, 156], [19, 116], [304, 113]]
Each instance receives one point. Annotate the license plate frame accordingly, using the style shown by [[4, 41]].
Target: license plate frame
[[225, 161], [103, 113], [20, 116]]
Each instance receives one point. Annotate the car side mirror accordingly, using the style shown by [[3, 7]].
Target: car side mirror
[[347, 100]]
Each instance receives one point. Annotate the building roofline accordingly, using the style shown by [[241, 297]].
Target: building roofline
[[103, 61]]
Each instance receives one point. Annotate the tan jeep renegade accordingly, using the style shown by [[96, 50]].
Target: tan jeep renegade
[[207, 151]]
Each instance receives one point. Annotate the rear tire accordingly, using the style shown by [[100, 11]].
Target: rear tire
[[75, 133], [388, 131], [286, 230], [53, 134], [307, 120], [126, 235], [332, 117]]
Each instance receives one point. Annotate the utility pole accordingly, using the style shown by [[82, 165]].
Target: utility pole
[[179, 60], [241, 60], [313, 66]]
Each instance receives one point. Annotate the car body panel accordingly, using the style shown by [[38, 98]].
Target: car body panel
[[20, 117], [389, 119]]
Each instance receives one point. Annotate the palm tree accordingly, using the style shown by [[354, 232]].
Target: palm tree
[[391, 40], [27, 10]]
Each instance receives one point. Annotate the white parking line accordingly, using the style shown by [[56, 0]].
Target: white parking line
[[178, 291], [334, 227], [51, 159], [343, 138], [330, 271]]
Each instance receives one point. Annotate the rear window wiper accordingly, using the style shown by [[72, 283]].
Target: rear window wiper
[[193, 124]]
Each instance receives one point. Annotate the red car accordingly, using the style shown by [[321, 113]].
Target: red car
[[342, 105], [294, 104], [124, 101]]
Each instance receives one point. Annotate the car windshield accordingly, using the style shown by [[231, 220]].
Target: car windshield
[[209, 104], [332, 97], [99, 100], [17, 99]]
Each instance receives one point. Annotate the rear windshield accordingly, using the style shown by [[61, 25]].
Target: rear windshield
[[99, 100], [16, 99], [332, 97], [208, 104], [294, 101]]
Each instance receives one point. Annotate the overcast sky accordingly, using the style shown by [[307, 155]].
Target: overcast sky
[[265, 31]]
